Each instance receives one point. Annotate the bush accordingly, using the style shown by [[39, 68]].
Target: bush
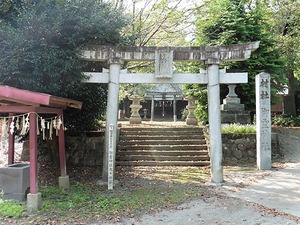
[[238, 129], [286, 121], [40, 51]]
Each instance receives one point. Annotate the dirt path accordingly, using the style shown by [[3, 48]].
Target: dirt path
[[219, 209]]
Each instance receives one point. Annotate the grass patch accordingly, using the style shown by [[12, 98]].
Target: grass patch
[[92, 201], [148, 198], [11, 209], [180, 175], [238, 129], [140, 190]]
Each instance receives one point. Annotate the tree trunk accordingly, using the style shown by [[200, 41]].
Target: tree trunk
[[292, 91]]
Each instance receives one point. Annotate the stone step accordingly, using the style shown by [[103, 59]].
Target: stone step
[[162, 153], [162, 158], [159, 129], [163, 142], [163, 163], [162, 147], [160, 137], [161, 132], [171, 146]]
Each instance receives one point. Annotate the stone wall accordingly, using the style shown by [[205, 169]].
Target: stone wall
[[84, 148], [239, 149], [87, 148]]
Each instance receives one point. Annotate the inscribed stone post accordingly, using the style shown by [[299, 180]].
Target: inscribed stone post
[[111, 111], [111, 158], [263, 121]]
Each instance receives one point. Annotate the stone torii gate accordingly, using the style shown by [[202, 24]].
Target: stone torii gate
[[164, 57]]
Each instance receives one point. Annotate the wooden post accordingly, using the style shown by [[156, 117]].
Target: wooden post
[[33, 153], [11, 142], [174, 109], [61, 147], [152, 108], [63, 180]]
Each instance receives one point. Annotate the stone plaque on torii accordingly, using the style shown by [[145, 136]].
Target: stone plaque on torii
[[164, 57]]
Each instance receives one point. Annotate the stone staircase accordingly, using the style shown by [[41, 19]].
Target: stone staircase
[[163, 146]]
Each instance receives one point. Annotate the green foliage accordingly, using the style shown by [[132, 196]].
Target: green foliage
[[41, 52], [238, 129], [94, 101], [224, 22], [11, 209], [286, 121], [127, 90], [11, 9], [285, 22], [200, 92]]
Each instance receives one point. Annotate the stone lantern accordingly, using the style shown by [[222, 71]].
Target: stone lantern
[[135, 117], [191, 118], [232, 111]]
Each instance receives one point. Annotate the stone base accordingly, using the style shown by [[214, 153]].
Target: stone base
[[63, 182], [264, 158], [105, 183], [241, 117], [191, 121], [34, 201], [215, 184], [135, 120], [20, 197], [233, 107]]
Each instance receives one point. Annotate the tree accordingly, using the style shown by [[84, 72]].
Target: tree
[[286, 25], [154, 23], [225, 22], [9, 10], [158, 22], [41, 52]]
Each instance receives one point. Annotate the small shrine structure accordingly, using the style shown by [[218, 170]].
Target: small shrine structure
[[24, 108], [164, 98]]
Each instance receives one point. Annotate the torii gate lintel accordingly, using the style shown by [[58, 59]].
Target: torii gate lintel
[[237, 52]]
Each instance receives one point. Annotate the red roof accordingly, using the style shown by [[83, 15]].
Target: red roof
[[10, 96]]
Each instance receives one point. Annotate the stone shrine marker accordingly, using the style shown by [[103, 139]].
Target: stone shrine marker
[[164, 57], [263, 121]]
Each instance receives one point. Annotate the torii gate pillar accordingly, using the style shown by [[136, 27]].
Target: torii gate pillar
[[213, 87]]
